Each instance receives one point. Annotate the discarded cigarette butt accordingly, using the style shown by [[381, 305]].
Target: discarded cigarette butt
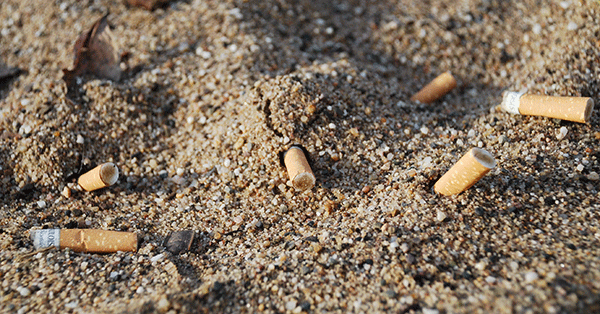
[[466, 172], [102, 176], [85, 240], [179, 241], [577, 109], [437, 88], [298, 169]]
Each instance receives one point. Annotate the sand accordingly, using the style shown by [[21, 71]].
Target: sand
[[214, 91]]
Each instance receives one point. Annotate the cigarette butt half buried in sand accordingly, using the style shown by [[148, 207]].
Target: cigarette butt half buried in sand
[[102, 176], [466, 172], [577, 109], [437, 88], [85, 240], [298, 169]]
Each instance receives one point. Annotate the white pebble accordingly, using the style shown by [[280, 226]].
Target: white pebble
[[430, 311], [404, 247], [562, 133], [440, 216], [572, 26], [80, 139], [537, 29], [290, 305], [332, 126], [490, 279], [140, 290], [580, 167], [426, 162], [163, 304], [41, 204], [24, 292], [471, 133], [531, 276], [424, 130], [157, 258]]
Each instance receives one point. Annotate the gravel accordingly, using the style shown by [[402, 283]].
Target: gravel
[[213, 91]]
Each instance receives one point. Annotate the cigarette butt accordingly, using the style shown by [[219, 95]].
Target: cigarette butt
[[466, 172], [437, 88], [102, 176], [85, 240], [577, 109], [298, 169]]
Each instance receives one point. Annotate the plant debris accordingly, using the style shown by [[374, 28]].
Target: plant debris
[[179, 241], [96, 53]]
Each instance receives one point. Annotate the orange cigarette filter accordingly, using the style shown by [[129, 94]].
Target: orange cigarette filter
[[437, 88], [475, 164], [85, 240], [102, 176], [298, 169], [576, 109]]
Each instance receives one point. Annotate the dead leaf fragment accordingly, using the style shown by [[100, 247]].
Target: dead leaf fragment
[[179, 241], [96, 53], [148, 4]]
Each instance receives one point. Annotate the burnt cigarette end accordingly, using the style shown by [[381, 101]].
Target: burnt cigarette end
[[589, 107], [109, 173], [298, 169]]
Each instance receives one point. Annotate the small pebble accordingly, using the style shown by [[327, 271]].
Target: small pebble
[[531, 276], [24, 292], [290, 305], [163, 304], [440, 216], [593, 176], [562, 133], [157, 258]]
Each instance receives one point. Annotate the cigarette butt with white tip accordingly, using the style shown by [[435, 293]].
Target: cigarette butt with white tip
[[437, 88], [475, 164], [298, 169], [102, 176], [85, 240], [576, 109]]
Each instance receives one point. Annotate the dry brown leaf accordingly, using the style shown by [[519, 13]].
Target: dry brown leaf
[[96, 53], [148, 4]]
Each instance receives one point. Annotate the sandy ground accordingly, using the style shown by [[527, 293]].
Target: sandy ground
[[214, 91]]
